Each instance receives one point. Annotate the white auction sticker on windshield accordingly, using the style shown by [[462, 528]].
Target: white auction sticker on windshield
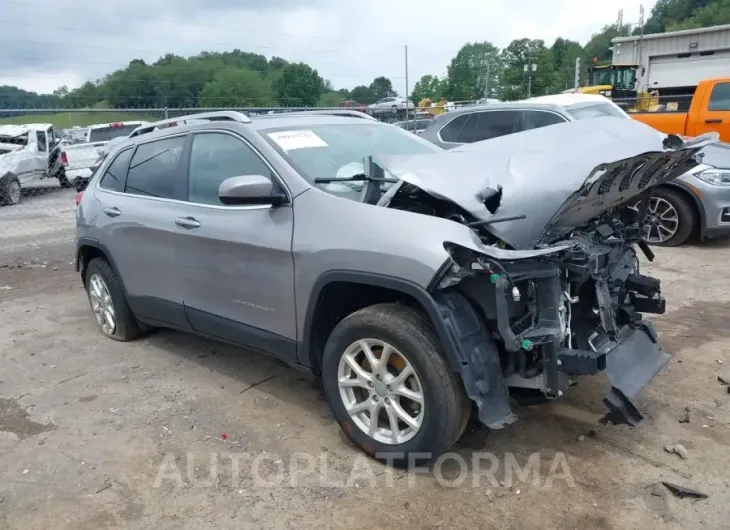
[[289, 140]]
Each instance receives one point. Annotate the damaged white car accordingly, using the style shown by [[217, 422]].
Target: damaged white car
[[24, 153], [418, 284]]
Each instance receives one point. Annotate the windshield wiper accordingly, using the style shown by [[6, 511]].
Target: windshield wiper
[[495, 220], [360, 177]]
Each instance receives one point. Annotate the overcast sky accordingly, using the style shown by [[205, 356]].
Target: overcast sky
[[48, 43]]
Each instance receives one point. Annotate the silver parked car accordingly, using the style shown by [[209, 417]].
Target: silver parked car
[[416, 282], [696, 205], [390, 105]]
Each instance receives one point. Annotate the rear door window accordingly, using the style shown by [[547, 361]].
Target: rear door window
[[116, 174], [451, 131], [496, 123], [534, 119], [155, 168], [720, 97]]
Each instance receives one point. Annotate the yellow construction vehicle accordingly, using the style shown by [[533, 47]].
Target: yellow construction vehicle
[[427, 105], [618, 82]]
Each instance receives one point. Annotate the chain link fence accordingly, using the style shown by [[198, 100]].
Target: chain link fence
[[650, 103], [45, 154]]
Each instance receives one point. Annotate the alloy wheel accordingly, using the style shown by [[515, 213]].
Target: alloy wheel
[[102, 305], [663, 221], [381, 391]]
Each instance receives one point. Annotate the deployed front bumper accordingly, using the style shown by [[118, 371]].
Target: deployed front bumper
[[630, 364]]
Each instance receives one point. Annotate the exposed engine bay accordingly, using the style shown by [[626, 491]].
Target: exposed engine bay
[[559, 291]]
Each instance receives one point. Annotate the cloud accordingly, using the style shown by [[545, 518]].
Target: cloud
[[45, 43]]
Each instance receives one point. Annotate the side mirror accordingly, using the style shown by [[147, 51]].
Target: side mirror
[[250, 190]]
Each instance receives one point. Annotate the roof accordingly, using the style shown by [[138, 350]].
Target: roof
[[667, 34], [17, 130], [117, 123], [566, 100]]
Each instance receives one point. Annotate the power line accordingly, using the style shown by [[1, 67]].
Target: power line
[[237, 29], [235, 45]]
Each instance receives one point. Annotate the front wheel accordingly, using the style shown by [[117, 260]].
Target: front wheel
[[390, 388], [10, 190], [671, 218]]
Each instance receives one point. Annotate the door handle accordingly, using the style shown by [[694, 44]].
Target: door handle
[[713, 121], [187, 222], [113, 211]]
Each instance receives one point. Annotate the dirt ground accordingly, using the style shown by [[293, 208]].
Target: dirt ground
[[93, 433]]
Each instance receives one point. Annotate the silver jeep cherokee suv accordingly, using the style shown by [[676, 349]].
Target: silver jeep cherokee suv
[[417, 283]]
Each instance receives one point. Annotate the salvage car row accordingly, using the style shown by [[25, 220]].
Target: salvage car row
[[37, 151], [419, 283]]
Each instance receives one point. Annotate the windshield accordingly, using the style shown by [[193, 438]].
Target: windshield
[[599, 110], [104, 134], [338, 150], [14, 140]]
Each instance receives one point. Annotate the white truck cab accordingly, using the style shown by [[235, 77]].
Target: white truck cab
[[24, 153]]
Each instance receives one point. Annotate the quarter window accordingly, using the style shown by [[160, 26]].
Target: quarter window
[[451, 131], [155, 167], [115, 175], [534, 119], [216, 157]]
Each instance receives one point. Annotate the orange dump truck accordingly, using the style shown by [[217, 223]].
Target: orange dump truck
[[708, 111]]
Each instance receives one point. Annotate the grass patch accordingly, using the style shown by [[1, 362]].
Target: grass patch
[[65, 120]]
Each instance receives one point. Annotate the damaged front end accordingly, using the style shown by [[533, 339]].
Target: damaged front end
[[571, 300]]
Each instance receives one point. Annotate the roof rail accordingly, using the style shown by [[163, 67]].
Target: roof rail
[[327, 112], [218, 115]]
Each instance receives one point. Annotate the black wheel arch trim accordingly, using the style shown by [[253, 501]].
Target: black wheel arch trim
[[95, 243], [421, 295], [469, 349], [696, 202]]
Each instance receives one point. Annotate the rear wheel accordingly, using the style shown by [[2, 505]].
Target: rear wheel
[[62, 180], [390, 387], [671, 218], [108, 303], [10, 191]]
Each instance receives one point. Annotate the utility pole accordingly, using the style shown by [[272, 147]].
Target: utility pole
[[408, 94], [641, 35], [486, 81], [529, 68], [577, 73], [620, 22]]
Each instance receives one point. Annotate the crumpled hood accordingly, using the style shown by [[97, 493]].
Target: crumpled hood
[[558, 176]]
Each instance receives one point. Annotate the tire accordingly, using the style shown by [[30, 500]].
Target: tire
[[125, 326], [62, 180], [446, 407], [686, 214], [10, 190]]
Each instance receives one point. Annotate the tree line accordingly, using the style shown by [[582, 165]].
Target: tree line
[[242, 79]]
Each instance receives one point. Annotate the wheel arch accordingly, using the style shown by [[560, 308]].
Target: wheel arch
[[88, 249], [353, 290]]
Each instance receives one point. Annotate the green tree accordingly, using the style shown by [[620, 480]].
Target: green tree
[[475, 72], [710, 14], [529, 69], [362, 94], [331, 99], [382, 87], [564, 53], [299, 86], [237, 87], [429, 86]]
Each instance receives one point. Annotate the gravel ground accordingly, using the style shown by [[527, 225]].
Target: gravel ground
[[100, 434]]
